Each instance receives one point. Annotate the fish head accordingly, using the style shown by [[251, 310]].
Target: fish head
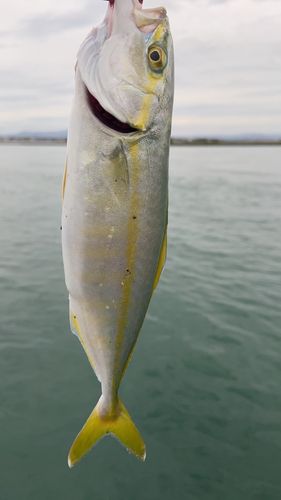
[[126, 64]]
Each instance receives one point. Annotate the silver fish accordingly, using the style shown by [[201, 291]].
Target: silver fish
[[115, 200]]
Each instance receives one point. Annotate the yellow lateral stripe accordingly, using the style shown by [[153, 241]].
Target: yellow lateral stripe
[[161, 263], [132, 237], [131, 353]]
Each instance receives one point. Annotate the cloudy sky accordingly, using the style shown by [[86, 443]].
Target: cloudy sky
[[228, 63]]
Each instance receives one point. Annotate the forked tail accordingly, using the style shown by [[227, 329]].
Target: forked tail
[[120, 426]]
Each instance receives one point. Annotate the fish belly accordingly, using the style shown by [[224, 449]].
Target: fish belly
[[114, 222]]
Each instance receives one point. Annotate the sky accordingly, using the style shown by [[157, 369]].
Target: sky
[[227, 62]]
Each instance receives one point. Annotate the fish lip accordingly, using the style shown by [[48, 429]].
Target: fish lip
[[109, 17], [145, 20], [106, 118]]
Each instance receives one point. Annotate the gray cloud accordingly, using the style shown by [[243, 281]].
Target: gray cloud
[[228, 65], [50, 23], [9, 83], [228, 109]]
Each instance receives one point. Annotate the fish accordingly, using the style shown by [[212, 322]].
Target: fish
[[115, 200]]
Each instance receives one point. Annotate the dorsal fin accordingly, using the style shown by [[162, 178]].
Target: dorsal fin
[[64, 180], [161, 261]]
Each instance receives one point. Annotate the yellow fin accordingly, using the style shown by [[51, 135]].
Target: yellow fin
[[74, 327], [73, 323], [64, 180], [161, 261], [119, 425]]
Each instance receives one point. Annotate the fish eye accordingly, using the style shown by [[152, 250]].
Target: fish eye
[[156, 57]]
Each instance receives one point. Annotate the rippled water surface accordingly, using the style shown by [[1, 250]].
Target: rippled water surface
[[204, 384]]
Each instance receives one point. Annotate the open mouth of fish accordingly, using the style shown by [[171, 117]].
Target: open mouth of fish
[[106, 118], [146, 21]]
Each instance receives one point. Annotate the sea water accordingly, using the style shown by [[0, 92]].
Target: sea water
[[204, 383]]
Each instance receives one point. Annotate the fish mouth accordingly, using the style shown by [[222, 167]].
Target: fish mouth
[[106, 118]]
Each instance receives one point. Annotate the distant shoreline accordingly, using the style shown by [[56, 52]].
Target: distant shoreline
[[221, 142], [33, 141]]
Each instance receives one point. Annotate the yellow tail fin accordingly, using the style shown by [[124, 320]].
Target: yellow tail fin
[[120, 426]]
